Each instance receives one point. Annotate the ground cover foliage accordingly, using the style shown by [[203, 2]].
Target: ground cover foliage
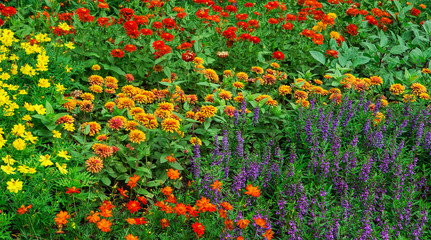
[[209, 119]]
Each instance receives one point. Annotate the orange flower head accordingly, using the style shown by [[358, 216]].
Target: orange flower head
[[133, 206], [216, 185], [173, 174], [104, 225], [253, 191]]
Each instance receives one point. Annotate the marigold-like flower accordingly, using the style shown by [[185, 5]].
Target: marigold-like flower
[[397, 89], [238, 85], [94, 164], [418, 88], [164, 223], [208, 111], [137, 136], [170, 125], [243, 223], [133, 206], [300, 95], [253, 191], [217, 185], [195, 140], [131, 237], [94, 127], [226, 95], [104, 225], [173, 174], [199, 229], [61, 218], [284, 90]]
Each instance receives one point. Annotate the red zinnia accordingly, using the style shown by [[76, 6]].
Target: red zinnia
[[167, 37], [130, 48], [278, 55], [117, 53], [188, 56], [72, 190], [352, 29], [199, 229], [332, 53]]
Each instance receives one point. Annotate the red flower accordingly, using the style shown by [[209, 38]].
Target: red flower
[[146, 32], [130, 26], [143, 200], [169, 23], [157, 45], [255, 39], [157, 25], [290, 17], [167, 37], [23, 209], [287, 26], [352, 29], [278, 55], [188, 56], [332, 53], [272, 21], [199, 229], [130, 48], [72, 190], [231, 8], [117, 53], [248, 4], [127, 13], [229, 34], [122, 192], [415, 12], [133, 206], [8, 11]]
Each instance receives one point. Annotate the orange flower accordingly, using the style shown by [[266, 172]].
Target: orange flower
[[180, 209], [61, 218], [133, 206], [222, 213], [269, 234], [228, 224], [131, 237], [243, 223], [23, 209], [164, 223], [253, 191], [171, 158], [205, 205], [226, 205], [104, 225], [94, 217], [133, 180], [217, 185], [122, 192], [167, 190], [199, 229], [260, 222], [173, 174], [131, 221]]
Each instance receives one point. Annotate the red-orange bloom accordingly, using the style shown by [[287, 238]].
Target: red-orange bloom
[[23, 209], [253, 191], [61, 218], [180, 209], [133, 180], [243, 223], [199, 229], [216, 185], [133, 206], [72, 190], [173, 174], [104, 225], [122, 192], [164, 223]]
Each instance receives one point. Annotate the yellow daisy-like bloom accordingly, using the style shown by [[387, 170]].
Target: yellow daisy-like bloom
[[45, 160], [69, 127], [95, 67], [384, 102], [94, 127], [198, 61], [137, 136], [418, 88], [19, 144], [211, 75], [56, 134], [18, 129], [14, 186], [238, 85], [332, 15], [242, 76], [426, 70], [208, 111], [284, 90], [149, 121], [64, 26], [397, 89], [44, 83], [8, 169], [96, 88], [275, 65], [170, 125]]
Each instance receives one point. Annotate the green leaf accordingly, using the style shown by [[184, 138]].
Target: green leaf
[[360, 61], [106, 181], [49, 109], [167, 72], [399, 49], [144, 192], [318, 56], [87, 129]]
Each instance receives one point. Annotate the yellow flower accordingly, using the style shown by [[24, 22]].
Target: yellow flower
[[60, 88], [332, 15], [40, 109], [45, 160], [8, 169], [14, 186], [22, 92], [95, 67], [26, 118], [18, 130], [19, 144], [8, 160], [28, 136], [28, 70], [63, 154], [23, 169], [68, 69], [56, 134], [44, 83], [62, 168], [69, 45], [69, 127], [31, 170], [64, 26]]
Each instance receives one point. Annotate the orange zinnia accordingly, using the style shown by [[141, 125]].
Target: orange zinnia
[[217, 185], [104, 225], [94, 217], [180, 209], [260, 222], [243, 223], [131, 237], [173, 174], [164, 223], [167, 190], [133, 180], [253, 191]]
